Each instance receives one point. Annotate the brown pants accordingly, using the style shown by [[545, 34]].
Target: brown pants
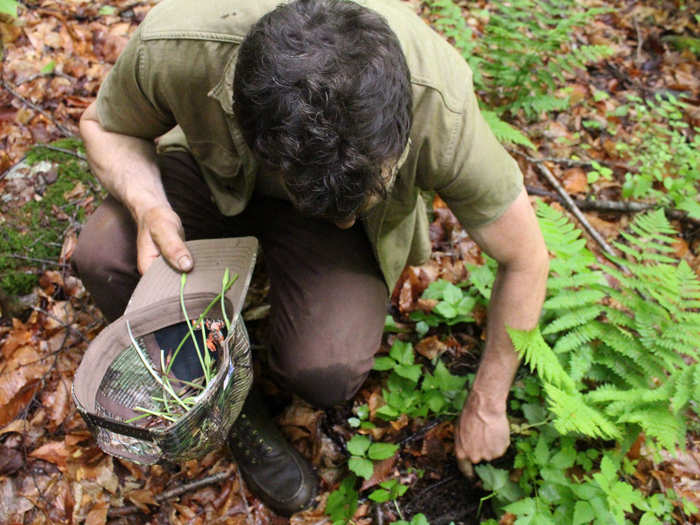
[[328, 299]]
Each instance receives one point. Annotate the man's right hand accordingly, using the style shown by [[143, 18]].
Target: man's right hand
[[160, 232]]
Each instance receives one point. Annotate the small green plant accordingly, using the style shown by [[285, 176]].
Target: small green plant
[[364, 452], [412, 392], [418, 519], [452, 306], [664, 152], [524, 53], [599, 172], [390, 490], [342, 502]]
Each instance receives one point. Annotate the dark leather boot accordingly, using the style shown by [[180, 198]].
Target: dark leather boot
[[273, 470]]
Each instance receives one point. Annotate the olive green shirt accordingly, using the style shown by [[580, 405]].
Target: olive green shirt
[[174, 80]]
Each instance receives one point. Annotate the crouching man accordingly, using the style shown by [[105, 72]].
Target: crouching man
[[313, 125]]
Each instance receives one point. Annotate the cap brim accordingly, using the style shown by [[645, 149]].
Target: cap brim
[[211, 259]]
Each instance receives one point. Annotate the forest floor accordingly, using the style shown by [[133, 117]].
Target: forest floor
[[55, 55]]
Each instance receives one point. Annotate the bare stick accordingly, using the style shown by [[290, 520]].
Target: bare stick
[[62, 150], [64, 131], [615, 206], [172, 493], [34, 259], [571, 205], [638, 59], [567, 162]]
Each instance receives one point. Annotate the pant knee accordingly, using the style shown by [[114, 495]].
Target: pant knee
[[105, 257], [327, 386]]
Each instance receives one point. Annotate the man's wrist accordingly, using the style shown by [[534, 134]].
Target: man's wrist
[[488, 400]]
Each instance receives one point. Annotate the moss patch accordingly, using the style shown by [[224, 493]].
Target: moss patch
[[31, 235]]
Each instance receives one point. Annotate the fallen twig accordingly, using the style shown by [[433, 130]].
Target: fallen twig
[[640, 41], [62, 150], [34, 259], [241, 491], [64, 131], [614, 206], [421, 432], [564, 161], [571, 206], [68, 327], [172, 493]]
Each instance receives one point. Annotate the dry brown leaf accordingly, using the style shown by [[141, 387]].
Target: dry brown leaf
[[69, 244], [609, 230], [11, 460], [135, 470], [55, 452], [680, 248], [575, 180], [19, 381], [77, 192], [382, 470], [142, 498], [18, 425], [98, 514], [20, 335], [102, 473], [300, 414], [57, 403], [431, 347]]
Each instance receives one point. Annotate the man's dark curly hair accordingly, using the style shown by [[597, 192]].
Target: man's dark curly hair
[[322, 93]]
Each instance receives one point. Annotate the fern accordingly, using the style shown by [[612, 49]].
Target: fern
[[573, 319], [504, 132], [526, 45], [540, 357], [573, 299], [620, 355], [579, 337], [574, 415], [659, 423]]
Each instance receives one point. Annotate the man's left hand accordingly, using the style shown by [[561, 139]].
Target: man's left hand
[[482, 432]]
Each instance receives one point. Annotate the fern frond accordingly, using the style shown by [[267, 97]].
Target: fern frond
[[659, 423], [537, 353], [574, 415], [504, 132], [580, 362], [630, 398], [579, 280], [573, 299], [629, 348], [578, 337], [682, 382], [574, 319], [627, 372]]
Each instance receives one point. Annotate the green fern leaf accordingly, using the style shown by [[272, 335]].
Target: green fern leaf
[[659, 423], [573, 299], [574, 319], [537, 353], [683, 388], [574, 415], [578, 337], [504, 132]]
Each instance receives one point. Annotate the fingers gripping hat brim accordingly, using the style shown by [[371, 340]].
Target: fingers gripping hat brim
[[211, 258]]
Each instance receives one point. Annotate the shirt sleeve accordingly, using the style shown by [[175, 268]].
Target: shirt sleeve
[[128, 101], [479, 179]]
